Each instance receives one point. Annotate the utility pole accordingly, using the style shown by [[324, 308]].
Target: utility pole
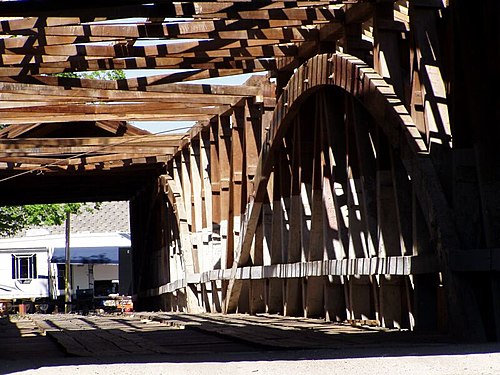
[[67, 272]]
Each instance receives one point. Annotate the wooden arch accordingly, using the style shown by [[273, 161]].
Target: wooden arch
[[363, 83], [359, 81]]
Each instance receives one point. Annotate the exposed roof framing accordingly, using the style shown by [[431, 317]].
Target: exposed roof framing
[[84, 153], [195, 39], [166, 9]]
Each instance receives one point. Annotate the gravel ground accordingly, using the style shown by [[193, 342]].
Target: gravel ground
[[428, 360]]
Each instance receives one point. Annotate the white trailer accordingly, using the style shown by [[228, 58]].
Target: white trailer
[[25, 273], [31, 266]]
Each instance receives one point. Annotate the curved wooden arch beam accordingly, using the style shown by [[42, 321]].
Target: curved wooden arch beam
[[362, 82]]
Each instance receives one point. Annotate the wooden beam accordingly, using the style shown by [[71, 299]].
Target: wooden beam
[[202, 29], [184, 50], [404, 265], [80, 64], [238, 10], [140, 140]]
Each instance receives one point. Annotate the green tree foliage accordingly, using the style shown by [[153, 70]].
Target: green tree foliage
[[98, 74], [15, 218]]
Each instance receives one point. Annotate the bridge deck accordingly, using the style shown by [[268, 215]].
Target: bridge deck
[[170, 333]]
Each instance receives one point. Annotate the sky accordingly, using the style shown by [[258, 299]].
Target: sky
[[178, 126]]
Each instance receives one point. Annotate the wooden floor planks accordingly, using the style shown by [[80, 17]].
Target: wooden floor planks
[[279, 332], [143, 334], [109, 336]]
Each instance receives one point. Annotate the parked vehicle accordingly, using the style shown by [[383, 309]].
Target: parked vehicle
[[32, 270]]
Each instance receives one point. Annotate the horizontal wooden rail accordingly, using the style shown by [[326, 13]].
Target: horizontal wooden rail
[[395, 265]]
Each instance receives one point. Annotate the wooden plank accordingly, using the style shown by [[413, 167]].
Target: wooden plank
[[267, 219], [207, 253], [251, 120], [238, 188], [184, 50], [389, 241], [226, 225], [362, 130], [334, 297], [151, 140], [293, 286], [176, 197], [335, 173], [280, 231], [83, 64], [360, 287], [314, 305], [325, 13], [102, 90], [215, 187], [14, 91], [80, 160], [357, 267], [257, 297], [274, 30], [403, 189], [195, 201]]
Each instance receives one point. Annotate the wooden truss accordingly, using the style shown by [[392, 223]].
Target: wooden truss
[[198, 39], [322, 186]]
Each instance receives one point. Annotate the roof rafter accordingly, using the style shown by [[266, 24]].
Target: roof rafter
[[195, 39]]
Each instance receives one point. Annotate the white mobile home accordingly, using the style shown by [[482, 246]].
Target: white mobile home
[[32, 267], [24, 272]]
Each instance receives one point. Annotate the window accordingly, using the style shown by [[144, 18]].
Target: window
[[61, 272], [104, 288], [24, 267]]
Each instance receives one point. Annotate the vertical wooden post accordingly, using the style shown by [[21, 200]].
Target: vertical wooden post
[[257, 303], [196, 203], [210, 257], [314, 301], [337, 298], [67, 268], [178, 199], [279, 234], [267, 226], [334, 229], [238, 190], [389, 237], [226, 222], [163, 245], [215, 185], [361, 288], [252, 118], [366, 160], [293, 299]]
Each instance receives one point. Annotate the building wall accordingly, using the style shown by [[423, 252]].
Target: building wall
[[105, 272]]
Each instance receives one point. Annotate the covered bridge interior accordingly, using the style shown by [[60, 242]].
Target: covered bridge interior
[[354, 177]]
